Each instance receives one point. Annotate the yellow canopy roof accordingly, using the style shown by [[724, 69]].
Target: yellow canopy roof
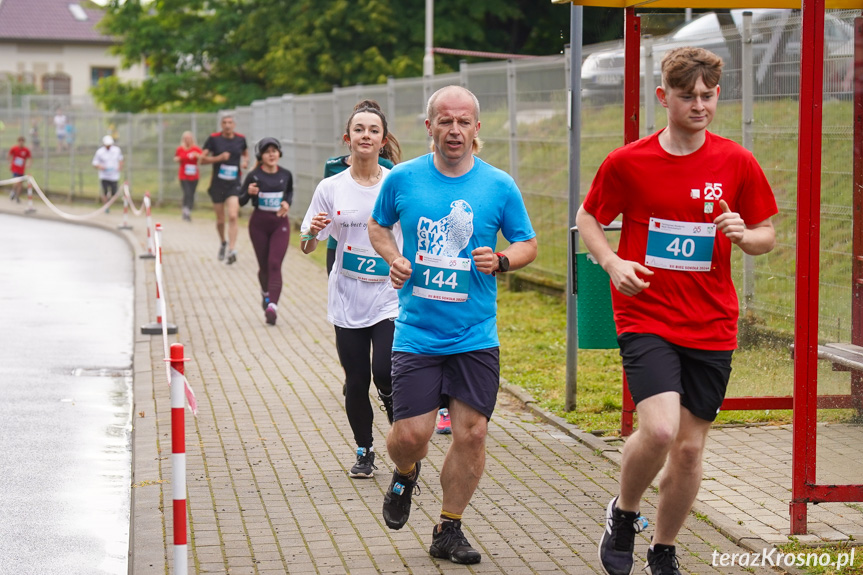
[[830, 4]]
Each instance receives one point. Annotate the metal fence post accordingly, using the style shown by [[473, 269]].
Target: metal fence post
[[131, 133], [649, 86], [747, 80], [576, 18], [160, 156], [512, 106]]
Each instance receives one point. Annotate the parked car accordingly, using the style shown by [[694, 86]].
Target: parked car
[[775, 46]]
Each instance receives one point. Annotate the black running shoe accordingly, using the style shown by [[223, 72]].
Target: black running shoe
[[232, 257], [397, 501], [618, 539], [365, 465], [387, 401], [451, 544], [222, 250], [662, 560]]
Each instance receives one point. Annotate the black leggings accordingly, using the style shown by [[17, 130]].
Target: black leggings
[[189, 187], [353, 348]]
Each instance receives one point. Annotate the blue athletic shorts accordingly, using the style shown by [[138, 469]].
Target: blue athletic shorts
[[425, 383], [654, 365]]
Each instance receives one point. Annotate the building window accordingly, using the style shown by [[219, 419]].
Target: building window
[[97, 74], [58, 84]]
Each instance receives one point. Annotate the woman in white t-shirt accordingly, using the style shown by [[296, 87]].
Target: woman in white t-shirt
[[361, 302]]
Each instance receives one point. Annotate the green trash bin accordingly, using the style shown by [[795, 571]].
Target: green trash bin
[[595, 317]]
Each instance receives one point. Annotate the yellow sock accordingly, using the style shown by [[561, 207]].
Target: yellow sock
[[407, 473], [450, 516]]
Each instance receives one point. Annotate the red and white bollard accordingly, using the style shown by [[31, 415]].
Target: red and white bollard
[[125, 223], [155, 327], [178, 458], [151, 248], [30, 209]]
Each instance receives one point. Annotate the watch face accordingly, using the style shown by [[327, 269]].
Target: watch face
[[503, 263]]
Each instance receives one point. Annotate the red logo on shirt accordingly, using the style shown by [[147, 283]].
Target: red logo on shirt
[[657, 224], [349, 248], [421, 257]]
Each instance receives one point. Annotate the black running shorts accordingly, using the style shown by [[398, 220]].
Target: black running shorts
[[654, 365], [425, 383]]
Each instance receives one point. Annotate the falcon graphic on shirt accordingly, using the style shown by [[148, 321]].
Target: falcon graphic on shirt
[[449, 235]]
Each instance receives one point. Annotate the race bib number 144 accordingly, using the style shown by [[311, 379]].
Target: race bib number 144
[[441, 278], [681, 246]]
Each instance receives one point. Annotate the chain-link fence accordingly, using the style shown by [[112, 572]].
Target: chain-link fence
[[525, 130]]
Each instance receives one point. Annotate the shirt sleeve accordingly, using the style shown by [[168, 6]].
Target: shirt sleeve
[[757, 202], [384, 212], [244, 190], [321, 202], [289, 188], [516, 226], [604, 200]]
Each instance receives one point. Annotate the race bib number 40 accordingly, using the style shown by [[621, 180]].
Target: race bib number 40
[[364, 264], [681, 246], [441, 278]]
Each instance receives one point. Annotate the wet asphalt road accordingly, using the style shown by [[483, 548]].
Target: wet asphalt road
[[66, 341]]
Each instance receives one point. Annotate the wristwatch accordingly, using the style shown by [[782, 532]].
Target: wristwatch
[[502, 262]]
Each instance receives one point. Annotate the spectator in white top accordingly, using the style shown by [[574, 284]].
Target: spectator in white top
[[60, 129], [109, 161]]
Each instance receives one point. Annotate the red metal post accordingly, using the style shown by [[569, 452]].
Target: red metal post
[[178, 459], [631, 91], [808, 245], [857, 204], [631, 75], [626, 417]]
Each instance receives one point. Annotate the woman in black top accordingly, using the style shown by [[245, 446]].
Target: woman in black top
[[271, 189]]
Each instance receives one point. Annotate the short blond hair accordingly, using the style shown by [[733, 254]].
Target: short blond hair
[[682, 67]]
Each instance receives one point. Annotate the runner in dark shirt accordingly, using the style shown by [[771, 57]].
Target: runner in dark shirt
[[228, 153]]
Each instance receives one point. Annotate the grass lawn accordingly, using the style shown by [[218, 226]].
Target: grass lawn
[[532, 328]]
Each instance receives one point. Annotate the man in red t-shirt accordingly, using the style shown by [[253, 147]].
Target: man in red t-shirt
[[686, 197], [19, 161]]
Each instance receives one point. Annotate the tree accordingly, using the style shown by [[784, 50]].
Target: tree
[[210, 54]]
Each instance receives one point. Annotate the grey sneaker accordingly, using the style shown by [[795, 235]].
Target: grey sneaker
[[222, 250], [397, 500], [232, 257], [365, 465], [618, 539], [450, 543], [662, 560]]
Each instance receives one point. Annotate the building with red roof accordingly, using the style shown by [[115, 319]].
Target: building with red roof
[[56, 46]]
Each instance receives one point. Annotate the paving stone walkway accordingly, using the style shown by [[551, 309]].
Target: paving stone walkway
[[267, 454]]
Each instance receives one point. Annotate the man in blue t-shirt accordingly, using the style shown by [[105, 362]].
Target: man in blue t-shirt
[[451, 206]]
